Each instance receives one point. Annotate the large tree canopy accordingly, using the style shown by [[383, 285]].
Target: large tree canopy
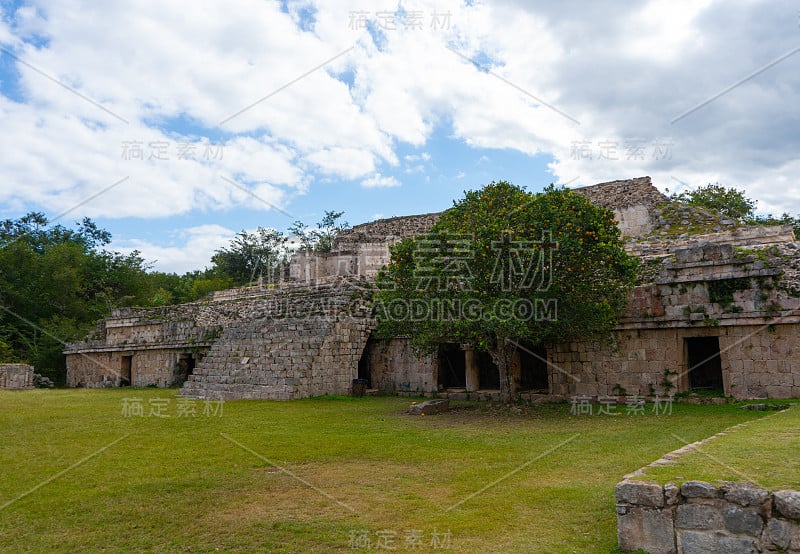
[[505, 266], [55, 282]]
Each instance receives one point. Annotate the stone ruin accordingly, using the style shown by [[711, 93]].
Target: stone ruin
[[716, 309], [16, 376]]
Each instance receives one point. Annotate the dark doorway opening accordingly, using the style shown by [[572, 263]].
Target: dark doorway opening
[[186, 365], [363, 365], [705, 367], [488, 373], [534, 373], [125, 371], [452, 367]]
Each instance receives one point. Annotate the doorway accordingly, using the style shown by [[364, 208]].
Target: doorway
[[186, 364], [452, 367], [125, 371], [364, 371], [533, 369], [705, 366], [488, 373]]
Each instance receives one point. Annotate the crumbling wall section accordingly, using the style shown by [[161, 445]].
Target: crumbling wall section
[[700, 517], [16, 376], [632, 200]]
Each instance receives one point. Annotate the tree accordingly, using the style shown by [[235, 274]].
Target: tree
[[321, 238], [728, 202], [55, 283], [505, 266], [251, 255], [733, 203]]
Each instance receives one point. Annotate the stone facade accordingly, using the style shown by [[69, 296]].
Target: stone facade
[[16, 376], [730, 293], [394, 366], [361, 250], [633, 202], [698, 517], [256, 342], [703, 291], [311, 345]]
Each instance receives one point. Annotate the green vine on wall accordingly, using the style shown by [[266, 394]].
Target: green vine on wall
[[721, 291]]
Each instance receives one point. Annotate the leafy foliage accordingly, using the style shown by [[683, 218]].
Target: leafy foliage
[[728, 202], [252, 255], [321, 238], [505, 266], [55, 283], [732, 203]]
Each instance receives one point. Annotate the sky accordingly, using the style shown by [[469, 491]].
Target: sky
[[176, 124]]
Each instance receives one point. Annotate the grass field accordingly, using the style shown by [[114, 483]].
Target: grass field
[[319, 475], [763, 452]]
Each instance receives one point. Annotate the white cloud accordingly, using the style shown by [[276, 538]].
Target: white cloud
[[623, 74], [189, 249], [379, 180]]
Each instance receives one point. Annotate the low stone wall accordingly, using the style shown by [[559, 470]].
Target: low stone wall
[[395, 367], [159, 367], [16, 376], [699, 518]]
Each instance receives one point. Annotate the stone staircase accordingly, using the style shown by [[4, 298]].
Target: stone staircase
[[294, 342]]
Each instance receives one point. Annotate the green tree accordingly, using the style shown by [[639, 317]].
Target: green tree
[[251, 255], [56, 282], [505, 266], [728, 202], [321, 238], [733, 203]]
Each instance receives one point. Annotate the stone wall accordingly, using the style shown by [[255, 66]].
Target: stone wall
[[159, 367], [385, 230], [395, 367], [757, 361], [632, 200], [289, 345], [702, 290], [16, 376], [699, 517]]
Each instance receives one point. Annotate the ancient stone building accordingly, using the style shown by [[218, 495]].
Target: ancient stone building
[[16, 376], [715, 310]]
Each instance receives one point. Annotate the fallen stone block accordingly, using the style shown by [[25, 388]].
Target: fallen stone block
[[430, 407]]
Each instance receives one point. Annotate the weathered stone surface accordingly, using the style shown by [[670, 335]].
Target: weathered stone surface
[[647, 529], [739, 520], [743, 520], [744, 494], [778, 533], [16, 376], [787, 503], [430, 407], [695, 542], [671, 494], [698, 516], [641, 493], [698, 489], [736, 545]]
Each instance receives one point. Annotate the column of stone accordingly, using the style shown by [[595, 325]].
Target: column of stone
[[472, 368]]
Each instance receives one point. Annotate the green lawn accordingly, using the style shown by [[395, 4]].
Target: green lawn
[[762, 452], [486, 479]]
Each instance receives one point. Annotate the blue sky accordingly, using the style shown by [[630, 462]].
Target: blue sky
[[310, 106]]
